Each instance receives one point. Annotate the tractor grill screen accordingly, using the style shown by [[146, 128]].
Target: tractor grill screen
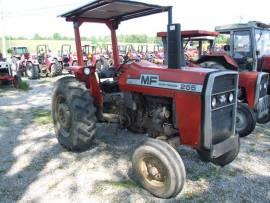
[[224, 83], [223, 115], [222, 124]]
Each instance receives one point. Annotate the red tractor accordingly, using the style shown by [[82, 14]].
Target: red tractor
[[9, 74], [169, 103], [24, 63], [66, 57], [48, 64], [253, 98]]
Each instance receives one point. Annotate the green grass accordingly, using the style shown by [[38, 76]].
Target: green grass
[[24, 85], [42, 117], [2, 171]]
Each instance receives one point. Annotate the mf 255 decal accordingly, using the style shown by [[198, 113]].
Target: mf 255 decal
[[150, 80]]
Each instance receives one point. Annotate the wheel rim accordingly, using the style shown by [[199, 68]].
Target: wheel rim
[[153, 171], [28, 70], [241, 121], [63, 116]]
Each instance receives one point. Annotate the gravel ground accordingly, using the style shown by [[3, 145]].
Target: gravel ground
[[35, 168]]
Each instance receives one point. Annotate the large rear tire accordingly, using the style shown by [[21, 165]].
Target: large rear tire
[[245, 120], [264, 119], [32, 71], [222, 160], [159, 168], [17, 80], [73, 114]]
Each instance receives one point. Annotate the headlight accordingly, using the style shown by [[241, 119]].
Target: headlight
[[231, 97], [214, 102], [86, 71]]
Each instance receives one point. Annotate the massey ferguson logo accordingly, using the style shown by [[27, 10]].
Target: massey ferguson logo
[[149, 79], [154, 81]]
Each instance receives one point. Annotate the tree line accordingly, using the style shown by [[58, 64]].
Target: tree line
[[134, 38]]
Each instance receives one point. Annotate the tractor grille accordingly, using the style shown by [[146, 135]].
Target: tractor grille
[[220, 107], [262, 99]]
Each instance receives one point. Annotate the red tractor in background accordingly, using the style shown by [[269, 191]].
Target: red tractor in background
[[254, 101], [9, 74], [172, 103], [66, 57], [158, 55], [94, 57], [48, 64], [24, 63]]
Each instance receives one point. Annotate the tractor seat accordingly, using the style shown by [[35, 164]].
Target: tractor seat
[[109, 86], [106, 73]]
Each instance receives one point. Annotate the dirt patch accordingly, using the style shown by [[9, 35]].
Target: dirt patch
[[35, 168]]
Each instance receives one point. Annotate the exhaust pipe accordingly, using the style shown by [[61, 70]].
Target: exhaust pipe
[[175, 52]]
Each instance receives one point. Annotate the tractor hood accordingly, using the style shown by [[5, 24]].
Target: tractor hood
[[148, 74]]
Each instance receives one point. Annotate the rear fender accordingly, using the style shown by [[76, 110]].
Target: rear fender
[[91, 81], [248, 82], [223, 59]]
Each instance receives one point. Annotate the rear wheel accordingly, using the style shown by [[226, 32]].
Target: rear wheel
[[73, 114], [245, 120], [264, 119], [17, 80], [32, 71], [222, 160], [159, 168]]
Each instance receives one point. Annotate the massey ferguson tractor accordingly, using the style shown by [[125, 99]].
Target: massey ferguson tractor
[[48, 64], [9, 74], [253, 97], [21, 58], [171, 103]]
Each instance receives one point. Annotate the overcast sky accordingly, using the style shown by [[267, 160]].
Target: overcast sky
[[24, 18]]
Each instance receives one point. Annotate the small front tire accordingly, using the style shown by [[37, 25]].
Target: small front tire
[[159, 168]]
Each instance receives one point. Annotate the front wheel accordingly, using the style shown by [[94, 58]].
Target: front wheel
[[245, 120], [159, 168], [73, 114]]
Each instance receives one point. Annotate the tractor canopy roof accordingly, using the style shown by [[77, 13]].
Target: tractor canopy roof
[[192, 33], [250, 24], [102, 11]]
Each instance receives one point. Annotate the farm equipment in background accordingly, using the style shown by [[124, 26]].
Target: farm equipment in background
[[66, 58], [144, 52], [25, 64], [253, 96], [9, 74], [48, 64], [158, 55], [147, 98], [93, 58]]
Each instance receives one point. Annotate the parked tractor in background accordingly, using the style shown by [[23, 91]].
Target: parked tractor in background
[[49, 65], [172, 104], [95, 58], [9, 74], [253, 97], [158, 55], [65, 56], [25, 64]]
